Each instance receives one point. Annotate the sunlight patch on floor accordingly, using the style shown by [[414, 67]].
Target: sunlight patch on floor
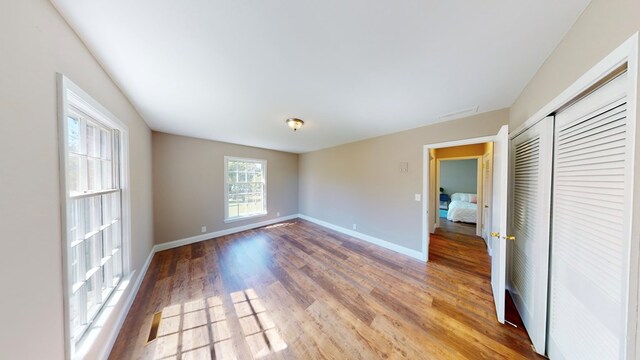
[[279, 225], [199, 329], [260, 331]]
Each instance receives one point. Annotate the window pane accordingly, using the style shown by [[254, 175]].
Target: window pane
[[77, 273], [116, 235], [106, 209], [89, 254], [93, 140], [115, 203], [94, 174], [107, 282], [109, 147], [107, 175], [233, 209], [75, 305], [93, 295], [86, 211], [117, 267], [105, 142], [232, 176], [92, 214], [107, 241], [73, 174], [73, 135], [72, 222], [96, 204]]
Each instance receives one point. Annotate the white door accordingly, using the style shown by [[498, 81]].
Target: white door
[[531, 165], [590, 243], [499, 219]]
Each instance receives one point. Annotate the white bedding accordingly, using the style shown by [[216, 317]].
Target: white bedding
[[460, 210]]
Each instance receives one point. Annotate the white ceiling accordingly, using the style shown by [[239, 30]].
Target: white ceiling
[[352, 69]]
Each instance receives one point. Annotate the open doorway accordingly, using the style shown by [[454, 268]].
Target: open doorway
[[461, 189], [496, 222]]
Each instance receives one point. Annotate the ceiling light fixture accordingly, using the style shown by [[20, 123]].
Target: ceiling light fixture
[[294, 123]]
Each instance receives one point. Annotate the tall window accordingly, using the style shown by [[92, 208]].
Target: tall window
[[246, 188], [92, 182]]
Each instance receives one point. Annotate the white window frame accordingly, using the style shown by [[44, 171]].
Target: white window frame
[[227, 219], [71, 96]]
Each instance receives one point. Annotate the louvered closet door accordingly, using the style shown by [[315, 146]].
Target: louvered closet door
[[530, 203], [590, 227]]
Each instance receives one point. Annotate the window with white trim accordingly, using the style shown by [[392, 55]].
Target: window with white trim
[[245, 188], [92, 157]]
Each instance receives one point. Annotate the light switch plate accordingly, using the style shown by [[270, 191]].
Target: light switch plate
[[418, 197]]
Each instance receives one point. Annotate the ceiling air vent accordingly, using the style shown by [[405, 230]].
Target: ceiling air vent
[[460, 113]]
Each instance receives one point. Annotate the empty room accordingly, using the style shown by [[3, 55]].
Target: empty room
[[333, 180]]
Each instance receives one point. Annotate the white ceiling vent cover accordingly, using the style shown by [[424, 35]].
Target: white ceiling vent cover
[[460, 113]]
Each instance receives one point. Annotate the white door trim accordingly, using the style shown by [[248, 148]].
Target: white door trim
[[425, 182], [479, 187]]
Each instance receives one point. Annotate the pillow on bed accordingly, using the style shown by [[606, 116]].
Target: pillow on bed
[[473, 198], [456, 197]]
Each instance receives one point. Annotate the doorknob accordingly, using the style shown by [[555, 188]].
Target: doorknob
[[508, 237]]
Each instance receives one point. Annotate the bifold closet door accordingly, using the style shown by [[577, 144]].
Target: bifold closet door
[[531, 165], [590, 240]]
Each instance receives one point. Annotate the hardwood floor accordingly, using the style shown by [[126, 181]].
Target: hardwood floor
[[296, 290], [457, 227]]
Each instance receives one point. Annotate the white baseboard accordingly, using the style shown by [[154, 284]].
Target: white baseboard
[[215, 234], [383, 243]]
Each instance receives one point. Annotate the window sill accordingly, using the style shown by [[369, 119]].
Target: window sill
[[103, 322], [232, 220]]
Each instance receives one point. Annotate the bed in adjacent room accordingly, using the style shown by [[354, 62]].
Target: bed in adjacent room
[[463, 208]]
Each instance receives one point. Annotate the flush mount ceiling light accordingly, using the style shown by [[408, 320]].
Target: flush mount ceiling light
[[294, 123]]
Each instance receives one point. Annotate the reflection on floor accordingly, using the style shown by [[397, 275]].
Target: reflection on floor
[[300, 291], [457, 227]]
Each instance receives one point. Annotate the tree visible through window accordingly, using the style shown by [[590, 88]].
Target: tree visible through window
[[246, 193]]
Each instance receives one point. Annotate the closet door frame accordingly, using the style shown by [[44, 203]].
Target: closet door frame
[[625, 54]]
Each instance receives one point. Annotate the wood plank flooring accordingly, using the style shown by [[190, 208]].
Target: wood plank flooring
[[457, 227], [296, 290]]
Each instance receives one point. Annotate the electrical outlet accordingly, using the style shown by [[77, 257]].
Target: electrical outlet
[[355, 227], [277, 214], [204, 229], [418, 197]]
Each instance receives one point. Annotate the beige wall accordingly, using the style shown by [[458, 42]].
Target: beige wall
[[37, 43], [361, 182], [602, 27], [188, 184]]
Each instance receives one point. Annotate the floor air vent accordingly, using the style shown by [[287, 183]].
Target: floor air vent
[[155, 324]]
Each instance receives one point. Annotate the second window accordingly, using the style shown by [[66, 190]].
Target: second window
[[246, 188]]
